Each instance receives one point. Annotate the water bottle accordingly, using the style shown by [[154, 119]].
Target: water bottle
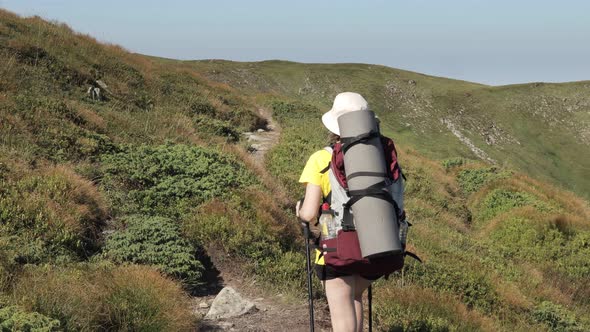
[[327, 225]]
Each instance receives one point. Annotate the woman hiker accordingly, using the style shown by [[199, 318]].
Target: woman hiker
[[344, 290]]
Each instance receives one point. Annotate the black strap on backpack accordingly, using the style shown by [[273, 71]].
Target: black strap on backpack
[[378, 191], [348, 142]]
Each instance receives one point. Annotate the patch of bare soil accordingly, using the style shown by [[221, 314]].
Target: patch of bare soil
[[275, 312], [263, 139]]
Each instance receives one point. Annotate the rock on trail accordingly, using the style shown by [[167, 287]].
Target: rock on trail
[[228, 304]]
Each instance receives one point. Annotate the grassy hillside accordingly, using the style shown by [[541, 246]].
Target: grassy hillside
[[128, 199], [540, 129], [502, 251]]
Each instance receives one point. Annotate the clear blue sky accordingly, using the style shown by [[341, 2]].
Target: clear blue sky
[[494, 42]]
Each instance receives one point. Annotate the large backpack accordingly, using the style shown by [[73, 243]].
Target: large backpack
[[343, 252]]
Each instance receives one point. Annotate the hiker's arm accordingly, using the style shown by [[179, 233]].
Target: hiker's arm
[[308, 211]]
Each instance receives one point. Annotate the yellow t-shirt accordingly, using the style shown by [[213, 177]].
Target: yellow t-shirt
[[312, 171], [316, 163]]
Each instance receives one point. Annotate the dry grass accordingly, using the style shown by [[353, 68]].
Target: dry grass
[[538, 286], [511, 293], [106, 298], [422, 302], [571, 212], [92, 118], [565, 200], [169, 303], [81, 206]]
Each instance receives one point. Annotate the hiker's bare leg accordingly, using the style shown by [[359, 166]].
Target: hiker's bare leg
[[340, 295], [360, 285]]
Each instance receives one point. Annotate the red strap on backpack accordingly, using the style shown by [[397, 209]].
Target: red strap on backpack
[[337, 163]]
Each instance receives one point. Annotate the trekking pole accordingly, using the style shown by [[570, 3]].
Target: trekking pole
[[370, 296], [306, 233]]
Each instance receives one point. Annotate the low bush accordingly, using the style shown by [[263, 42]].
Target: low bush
[[169, 179], [106, 298], [556, 317], [155, 241], [289, 111], [419, 309], [14, 318], [472, 288], [8, 264], [142, 100], [472, 179], [541, 242], [453, 163], [201, 106], [502, 200], [247, 228], [216, 127]]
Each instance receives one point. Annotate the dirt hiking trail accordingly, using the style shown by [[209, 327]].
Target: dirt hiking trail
[[274, 312]]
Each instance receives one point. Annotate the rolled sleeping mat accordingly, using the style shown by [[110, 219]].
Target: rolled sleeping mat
[[375, 219]]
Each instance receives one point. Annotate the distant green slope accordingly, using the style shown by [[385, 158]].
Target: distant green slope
[[540, 129]]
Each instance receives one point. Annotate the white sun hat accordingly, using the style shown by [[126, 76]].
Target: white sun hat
[[344, 102]]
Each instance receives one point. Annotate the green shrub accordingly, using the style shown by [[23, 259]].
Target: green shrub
[[473, 179], [248, 229], [202, 107], [142, 100], [502, 200], [541, 242], [533, 240], [13, 318], [155, 241], [289, 111], [454, 162], [216, 127], [104, 297], [8, 264], [556, 317], [575, 262], [472, 287], [169, 179], [250, 242], [303, 134]]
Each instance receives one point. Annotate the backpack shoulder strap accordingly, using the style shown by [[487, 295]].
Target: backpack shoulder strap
[[331, 150]]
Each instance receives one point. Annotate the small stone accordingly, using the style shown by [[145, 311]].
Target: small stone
[[256, 138], [260, 130], [226, 325], [229, 303], [203, 305], [102, 84]]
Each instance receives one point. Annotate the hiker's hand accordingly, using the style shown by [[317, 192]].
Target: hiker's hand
[[297, 207]]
